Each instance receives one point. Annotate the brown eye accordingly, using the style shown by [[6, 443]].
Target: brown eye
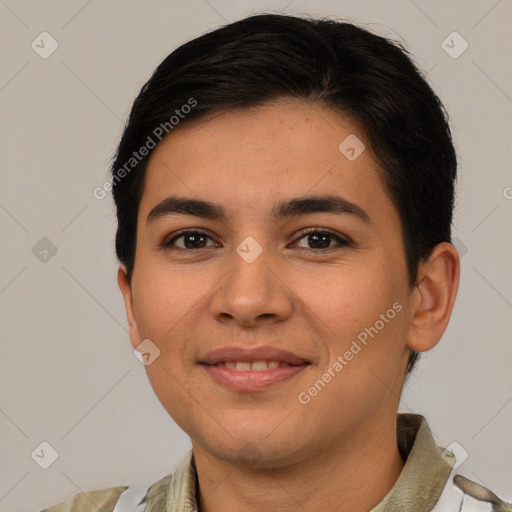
[[322, 239], [190, 240]]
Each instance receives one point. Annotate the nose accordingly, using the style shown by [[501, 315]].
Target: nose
[[253, 292]]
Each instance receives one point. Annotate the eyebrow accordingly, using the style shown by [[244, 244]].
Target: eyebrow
[[299, 206]]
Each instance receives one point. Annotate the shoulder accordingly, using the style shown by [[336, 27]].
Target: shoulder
[[464, 495], [137, 497], [123, 498], [480, 494], [90, 501]]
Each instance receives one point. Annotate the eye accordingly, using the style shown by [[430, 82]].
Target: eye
[[190, 240], [314, 238], [321, 239]]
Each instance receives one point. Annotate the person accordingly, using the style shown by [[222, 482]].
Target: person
[[284, 190]]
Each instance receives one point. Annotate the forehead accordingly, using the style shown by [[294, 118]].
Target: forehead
[[247, 158]]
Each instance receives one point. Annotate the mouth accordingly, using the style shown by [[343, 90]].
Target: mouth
[[245, 366], [248, 370], [256, 355]]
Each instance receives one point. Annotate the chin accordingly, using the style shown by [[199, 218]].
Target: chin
[[254, 449], [254, 455]]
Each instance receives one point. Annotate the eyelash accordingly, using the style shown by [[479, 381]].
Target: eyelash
[[167, 244]]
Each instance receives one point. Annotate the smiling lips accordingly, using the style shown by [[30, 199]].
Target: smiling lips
[[243, 369], [243, 366]]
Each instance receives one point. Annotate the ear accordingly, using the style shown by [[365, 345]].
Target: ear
[[126, 289], [434, 296]]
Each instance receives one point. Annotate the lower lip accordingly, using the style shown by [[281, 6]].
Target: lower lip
[[252, 380]]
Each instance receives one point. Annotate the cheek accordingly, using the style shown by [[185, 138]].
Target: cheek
[[347, 299], [167, 298], [361, 315]]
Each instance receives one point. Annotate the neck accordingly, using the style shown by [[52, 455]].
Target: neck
[[353, 477]]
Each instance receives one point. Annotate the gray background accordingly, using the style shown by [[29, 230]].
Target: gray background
[[68, 374]]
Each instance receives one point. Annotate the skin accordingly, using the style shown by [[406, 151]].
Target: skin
[[313, 303]]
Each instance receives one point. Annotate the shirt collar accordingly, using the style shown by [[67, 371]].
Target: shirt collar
[[425, 472], [418, 487]]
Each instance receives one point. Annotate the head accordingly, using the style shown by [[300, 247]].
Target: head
[[262, 126]]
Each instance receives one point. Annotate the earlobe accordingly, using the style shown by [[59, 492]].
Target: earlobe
[[438, 281], [126, 290]]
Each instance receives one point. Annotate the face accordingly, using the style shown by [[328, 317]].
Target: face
[[297, 266]]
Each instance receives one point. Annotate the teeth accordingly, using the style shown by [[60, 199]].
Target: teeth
[[244, 366]]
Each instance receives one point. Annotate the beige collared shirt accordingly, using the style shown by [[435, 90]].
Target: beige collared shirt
[[427, 483]]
